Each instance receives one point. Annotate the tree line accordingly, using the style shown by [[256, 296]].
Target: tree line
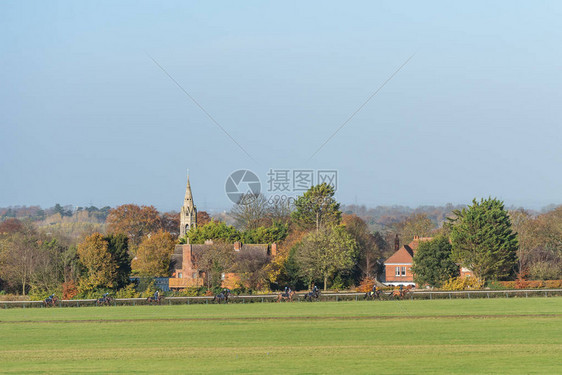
[[316, 244]]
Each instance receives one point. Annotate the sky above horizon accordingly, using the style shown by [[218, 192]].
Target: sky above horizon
[[87, 117]]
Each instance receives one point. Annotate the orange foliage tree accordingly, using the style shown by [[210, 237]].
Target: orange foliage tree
[[203, 218], [153, 255], [134, 221], [100, 267]]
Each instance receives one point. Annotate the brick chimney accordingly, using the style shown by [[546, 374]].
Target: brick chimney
[[273, 249], [396, 243], [237, 246]]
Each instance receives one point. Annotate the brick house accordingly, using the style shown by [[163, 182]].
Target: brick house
[[185, 272], [398, 267]]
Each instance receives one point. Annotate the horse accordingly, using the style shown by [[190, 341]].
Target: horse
[[152, 299], [372, 295], [399, 293], [222, 296], [50, 302], [104, 301], [312, 294], [285, 296]]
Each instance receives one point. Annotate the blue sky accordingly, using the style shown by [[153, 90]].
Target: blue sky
[[87, 117]]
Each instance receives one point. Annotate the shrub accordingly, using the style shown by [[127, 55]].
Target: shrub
[[366, 284], [127, 292], [69, 290], [531, 284], [463, 283]]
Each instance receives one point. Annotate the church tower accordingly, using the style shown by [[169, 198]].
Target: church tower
[[188, 214]]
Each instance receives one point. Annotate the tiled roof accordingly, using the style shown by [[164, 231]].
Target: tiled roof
[[405, 254]]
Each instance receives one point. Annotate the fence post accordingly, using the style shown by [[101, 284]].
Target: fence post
[[430, 295], [356, 298], [526, 294], [337, 298], [545, 294], [468, 294], [488, 294], [449, 295]]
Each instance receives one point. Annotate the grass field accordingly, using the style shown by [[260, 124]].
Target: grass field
[[478, 336]]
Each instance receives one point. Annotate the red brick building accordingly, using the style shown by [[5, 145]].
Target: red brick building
[[186, 273], [398, 268]]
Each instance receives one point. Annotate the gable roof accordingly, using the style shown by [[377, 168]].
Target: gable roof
[[405, 254]]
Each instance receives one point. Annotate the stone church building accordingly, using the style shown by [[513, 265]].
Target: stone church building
[[185, 272]]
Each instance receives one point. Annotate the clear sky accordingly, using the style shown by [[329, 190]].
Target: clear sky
[[86, 117]]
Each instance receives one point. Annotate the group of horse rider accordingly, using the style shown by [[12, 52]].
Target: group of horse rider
[[226, 292]]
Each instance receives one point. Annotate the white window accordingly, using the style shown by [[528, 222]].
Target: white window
[[222, 276], [396, 271], [403, 271], [180, 275]]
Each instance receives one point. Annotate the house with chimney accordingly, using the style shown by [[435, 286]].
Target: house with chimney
[[398, 267]]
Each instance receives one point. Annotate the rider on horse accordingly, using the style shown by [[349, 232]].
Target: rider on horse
[[50, 298], [156, 294]]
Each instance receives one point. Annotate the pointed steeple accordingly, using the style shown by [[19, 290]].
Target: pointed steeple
[[188, 213], [188, 196]]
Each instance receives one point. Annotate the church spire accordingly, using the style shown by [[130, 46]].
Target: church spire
[[188, 196], [188, 213]]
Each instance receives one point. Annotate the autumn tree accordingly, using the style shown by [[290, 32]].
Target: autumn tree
[[170, 222], [214, 260], [11, 226], [483, 239], [323, 253], [280, 210], [251, 211], [416, 224], [19, 253], [134, 221], [154, 254], [317, 208], [368, 245], [433, 262], [49, 265], [203, 218], [100, 267], [540, 243], [251, 265]]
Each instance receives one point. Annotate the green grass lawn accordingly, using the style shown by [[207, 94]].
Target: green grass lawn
[[479, 336]]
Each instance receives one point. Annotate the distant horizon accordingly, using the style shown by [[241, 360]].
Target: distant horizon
[[538, 209]]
